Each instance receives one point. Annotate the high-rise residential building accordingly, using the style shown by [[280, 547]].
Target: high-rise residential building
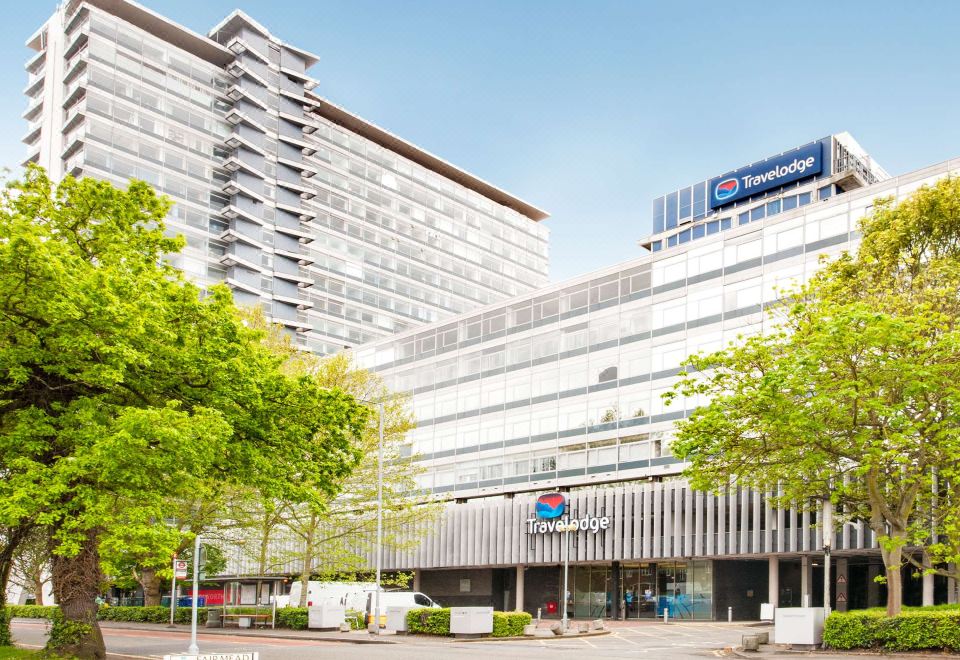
[[555, 397], [342, 231]]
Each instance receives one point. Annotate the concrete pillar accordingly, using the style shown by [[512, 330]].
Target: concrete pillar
[[520, 573], [843, 582], [927, 590], [805, 570], [615, 588], [416, 580], [873, 589], [773, 582]]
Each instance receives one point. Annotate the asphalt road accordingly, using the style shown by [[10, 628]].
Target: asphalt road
[[680, 640]]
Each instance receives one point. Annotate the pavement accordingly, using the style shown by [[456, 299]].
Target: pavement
[[622, 639], [651, 639]]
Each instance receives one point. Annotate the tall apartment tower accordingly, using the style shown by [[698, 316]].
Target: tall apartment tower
[[340, 230]]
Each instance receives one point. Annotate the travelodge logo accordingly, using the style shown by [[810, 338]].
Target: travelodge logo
[[551, 505], [726, 189]]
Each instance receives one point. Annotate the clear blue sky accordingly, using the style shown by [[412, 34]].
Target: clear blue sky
[[590, 109]]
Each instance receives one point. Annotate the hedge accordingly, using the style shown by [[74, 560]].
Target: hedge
[[510, 624], [434, 621], [911, 630], [294, 618], [33, 611], [429, 621]]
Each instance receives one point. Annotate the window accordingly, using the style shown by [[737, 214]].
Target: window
[[670, 220], [610, 373], [685, 210], [773, 207], [789, 203]]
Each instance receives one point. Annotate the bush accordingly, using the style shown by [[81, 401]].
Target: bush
[[911, 630], [433, 621], [151, 614], [294, 618], [33, 611], [429, 621], [5, 638], [510, 624]]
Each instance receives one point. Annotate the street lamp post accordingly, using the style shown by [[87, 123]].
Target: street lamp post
[[566, 572], [379, 557], [194, 649], [827, 529]]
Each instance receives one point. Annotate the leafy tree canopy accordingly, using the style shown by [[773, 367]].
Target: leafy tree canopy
[[122, 385], [856, 394]]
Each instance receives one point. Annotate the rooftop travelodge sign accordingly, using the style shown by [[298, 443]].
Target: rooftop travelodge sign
[[551, 509], [786, 168]]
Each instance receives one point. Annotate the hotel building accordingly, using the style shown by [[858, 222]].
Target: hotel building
[[561, 389], [341, 231]]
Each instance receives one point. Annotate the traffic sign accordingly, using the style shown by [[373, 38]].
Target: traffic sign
[[179, 569]]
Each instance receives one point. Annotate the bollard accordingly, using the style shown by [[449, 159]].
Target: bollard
[[666, 615], [729, 615], [538, 615]]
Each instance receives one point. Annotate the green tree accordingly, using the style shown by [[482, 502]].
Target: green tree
[[335, 535], [856, 395], [31, 564], [121, 387]]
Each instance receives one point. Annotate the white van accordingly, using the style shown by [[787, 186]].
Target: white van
[[411, 599], [351, 594]]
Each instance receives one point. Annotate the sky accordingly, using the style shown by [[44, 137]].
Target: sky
[[591, 109]]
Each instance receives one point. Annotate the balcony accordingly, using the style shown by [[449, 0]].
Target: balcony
[[301, 259], [33, 132], [35, 83], [851, 173], [73, 142], [33, 108], [77, 40], [74, 92]]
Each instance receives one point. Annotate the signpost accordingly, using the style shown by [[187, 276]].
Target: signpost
[[179, 573]]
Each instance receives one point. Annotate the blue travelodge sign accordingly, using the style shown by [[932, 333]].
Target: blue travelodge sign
[[791, 166]]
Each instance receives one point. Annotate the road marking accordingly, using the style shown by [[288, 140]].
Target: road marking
[[588, 643]]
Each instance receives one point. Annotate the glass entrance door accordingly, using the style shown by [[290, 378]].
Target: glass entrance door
[[639, 591], [591, 592]]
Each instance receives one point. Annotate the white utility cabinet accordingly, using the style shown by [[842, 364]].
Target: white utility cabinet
[[326, 615], [471, 620], [798, 625]]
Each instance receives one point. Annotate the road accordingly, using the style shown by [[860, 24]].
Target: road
[[680, 640]]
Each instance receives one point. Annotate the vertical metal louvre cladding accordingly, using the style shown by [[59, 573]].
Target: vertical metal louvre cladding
[[648, 521]]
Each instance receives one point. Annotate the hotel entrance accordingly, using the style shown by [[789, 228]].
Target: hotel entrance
[[683, 589]]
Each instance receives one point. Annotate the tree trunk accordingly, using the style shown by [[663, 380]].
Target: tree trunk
[[307, 564], [150, 581], [891, 552], [76, 584], [6, 563], [15, 537], [38, 581], [894, 590], [264, 545]]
